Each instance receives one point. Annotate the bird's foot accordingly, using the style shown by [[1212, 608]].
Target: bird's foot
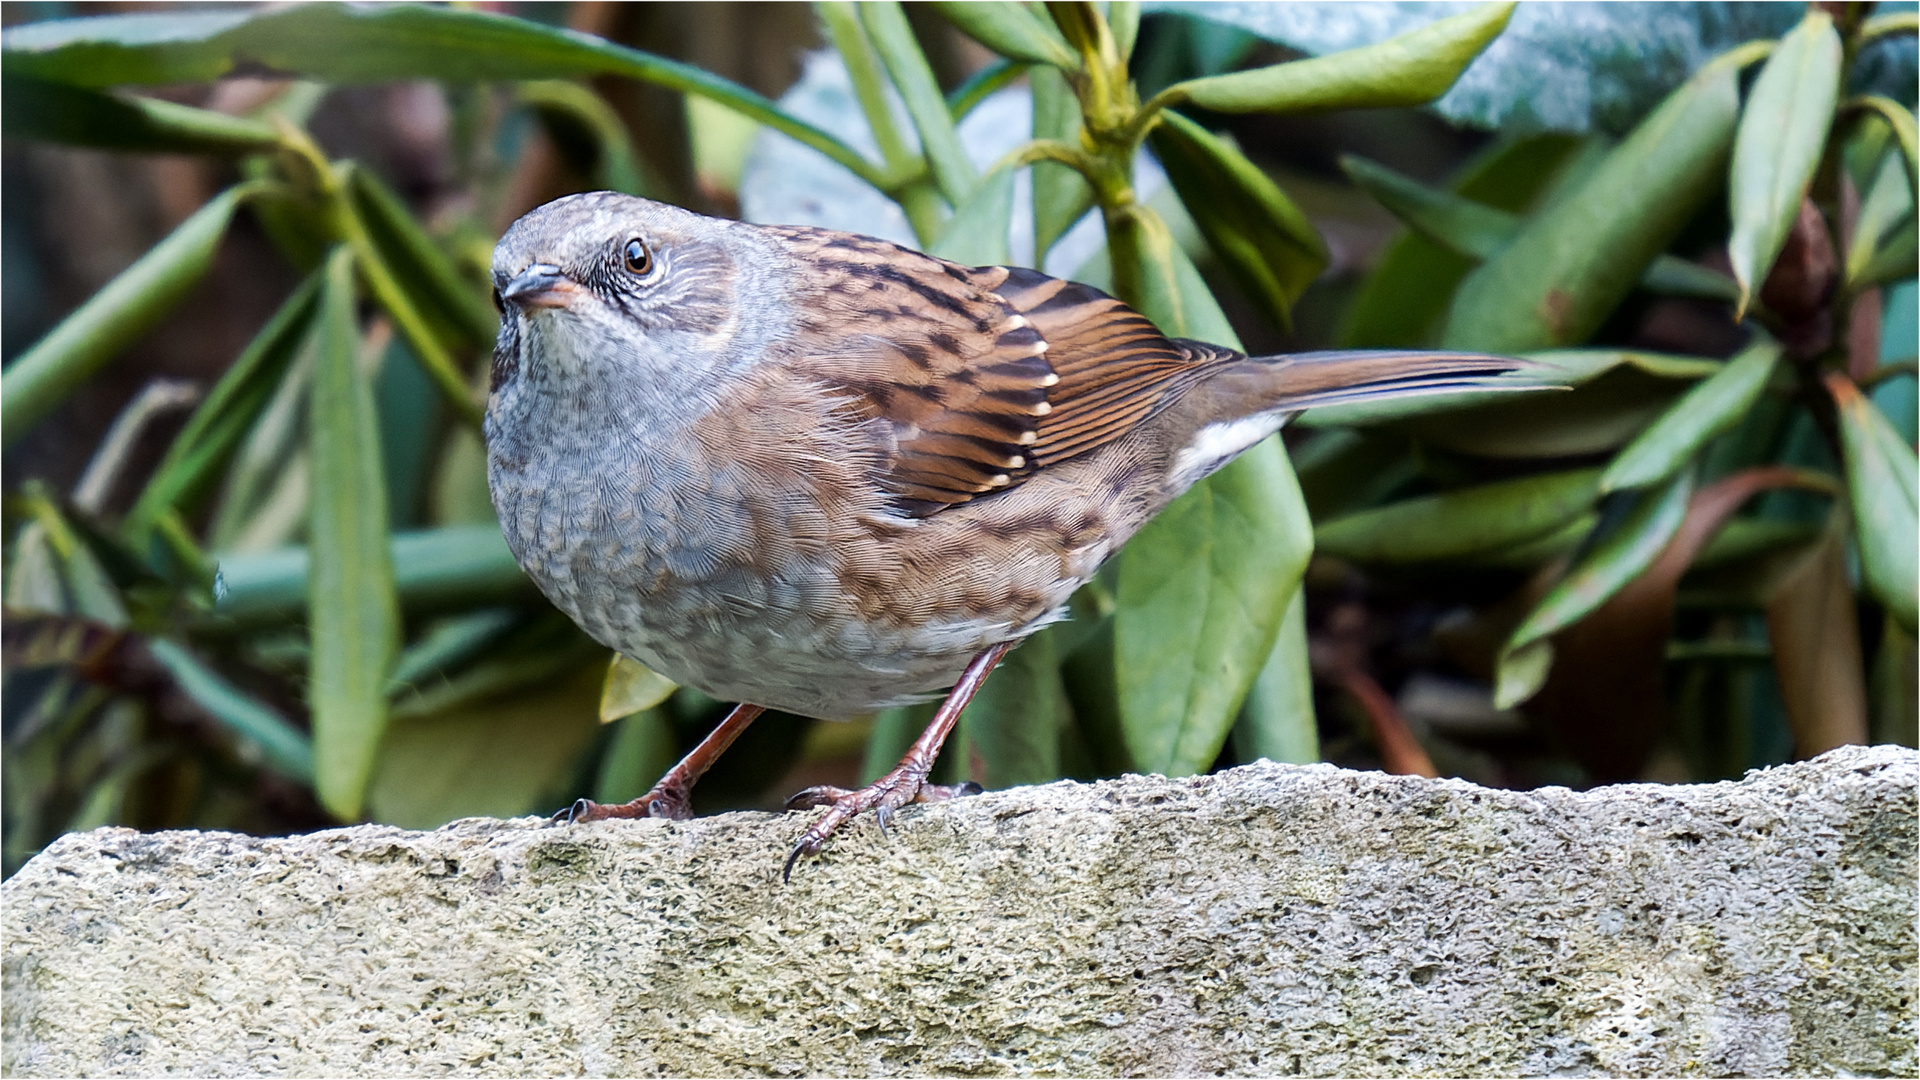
[[661, 802], [889, 793]]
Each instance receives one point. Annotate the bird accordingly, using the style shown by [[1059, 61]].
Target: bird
[[807, 470]]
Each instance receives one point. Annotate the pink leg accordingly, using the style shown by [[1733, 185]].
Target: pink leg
[[669, 797], [907, 783]]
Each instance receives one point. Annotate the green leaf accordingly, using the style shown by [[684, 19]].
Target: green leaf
[[1277, 722], [1888, 203], [1573, 262], [420, 266], [1060, 194], [1619, 557], [55, 570], [451, 567], [113, 318], [502, 755], [1012, 31], [1411, 69], [1261, 236], [1881, 477], [982, 85], [1713, 406], [952, 169], [284, 747], [341, 43], [979, 232], [1901, 120], [1461, 224], [632, 687], [1464, 522], [615, 167], [1201, 595], [56, 112], [1782, 136], [1480, 232], [1203, 587], [1014, 723], [214, 431], [1402, 301], [1599, 68], [1155, 277], [354, 622]]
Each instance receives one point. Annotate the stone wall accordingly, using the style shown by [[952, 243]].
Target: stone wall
[[1267, 920]]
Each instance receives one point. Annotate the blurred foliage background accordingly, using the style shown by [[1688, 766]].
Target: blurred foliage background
[[252, 578]]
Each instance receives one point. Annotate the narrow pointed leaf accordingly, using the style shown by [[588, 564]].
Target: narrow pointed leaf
[[1012, 30], [1905, 132], [978, 233], [1881, 479], [615, 167], [1473, 229], [1463, 522], [342, 43], [115, 317], [450, 567], [284, 747], [419, 264], [1261, 236], [982, 85], [354, 623], [1617, 559], [1411, 69], [1480, 232], [1782, 135], [216, 428], [57, 112], [1815, 633], [1888, 203], [893, 39], [1713, 406], [1123, 20], [1574, 262]]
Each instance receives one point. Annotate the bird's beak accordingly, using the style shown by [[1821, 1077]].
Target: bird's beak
[[540, 286]]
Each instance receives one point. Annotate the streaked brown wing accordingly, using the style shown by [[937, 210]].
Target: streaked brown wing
[[985, 374]]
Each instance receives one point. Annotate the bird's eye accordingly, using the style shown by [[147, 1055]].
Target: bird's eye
[[499, 305], [639, 259]]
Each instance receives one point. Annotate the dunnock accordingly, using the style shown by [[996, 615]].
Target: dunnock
[[805, 470]]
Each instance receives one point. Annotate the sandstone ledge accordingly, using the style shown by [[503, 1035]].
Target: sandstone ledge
[[1268, 920]]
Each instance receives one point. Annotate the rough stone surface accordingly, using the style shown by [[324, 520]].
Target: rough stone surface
[[1268, 920]]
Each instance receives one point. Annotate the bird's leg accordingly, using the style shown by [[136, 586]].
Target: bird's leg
[[669, 798], [907, 783]]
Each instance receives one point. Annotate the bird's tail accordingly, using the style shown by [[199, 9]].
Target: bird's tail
[[1319, 379]]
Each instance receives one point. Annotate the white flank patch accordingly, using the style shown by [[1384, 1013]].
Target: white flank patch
[[1217, 444]]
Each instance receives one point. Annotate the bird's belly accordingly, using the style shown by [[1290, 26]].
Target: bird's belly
[[682, 594]]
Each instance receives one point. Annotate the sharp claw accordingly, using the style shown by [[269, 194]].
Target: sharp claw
[[786, 873], [970, 788], [572, 813], [881, 816]]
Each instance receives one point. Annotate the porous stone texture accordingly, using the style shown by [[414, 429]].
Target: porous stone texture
[[1267, 920]]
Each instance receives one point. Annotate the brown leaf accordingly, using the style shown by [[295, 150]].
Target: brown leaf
[[1606, 700], [1816, 650]]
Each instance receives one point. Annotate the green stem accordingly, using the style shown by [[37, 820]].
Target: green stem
[[438, 363], [869, 86]]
